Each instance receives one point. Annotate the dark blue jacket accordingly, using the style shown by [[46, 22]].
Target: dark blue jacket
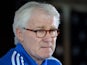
[[18, 56]]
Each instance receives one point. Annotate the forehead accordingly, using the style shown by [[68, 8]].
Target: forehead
[[42, 19]]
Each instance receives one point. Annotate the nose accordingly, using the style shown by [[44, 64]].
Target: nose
[[48, 34], [47, 37]]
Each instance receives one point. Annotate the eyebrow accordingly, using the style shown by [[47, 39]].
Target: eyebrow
[[43, 27]]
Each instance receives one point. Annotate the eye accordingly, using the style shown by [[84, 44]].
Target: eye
[[41, 31]]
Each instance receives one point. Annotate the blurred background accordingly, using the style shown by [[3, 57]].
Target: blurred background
[[71, 46]]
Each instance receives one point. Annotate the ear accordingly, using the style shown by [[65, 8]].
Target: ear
[[19, 34]]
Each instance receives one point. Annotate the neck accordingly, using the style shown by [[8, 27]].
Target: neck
[[39, 61]]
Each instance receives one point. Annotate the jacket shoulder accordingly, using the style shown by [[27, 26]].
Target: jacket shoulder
[[53, 61], [4, 60]]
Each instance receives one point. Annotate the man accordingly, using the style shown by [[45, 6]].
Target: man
[[36, 29]]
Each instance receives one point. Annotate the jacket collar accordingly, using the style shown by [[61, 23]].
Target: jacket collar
[[27, 58]]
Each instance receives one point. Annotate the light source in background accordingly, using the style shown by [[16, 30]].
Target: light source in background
[[82, 36], [83, 63], [75, 19], [79, 37], [76, 51]]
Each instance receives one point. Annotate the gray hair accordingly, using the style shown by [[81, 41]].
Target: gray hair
[[22, 15]]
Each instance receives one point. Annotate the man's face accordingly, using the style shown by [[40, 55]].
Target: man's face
[[44, 47]]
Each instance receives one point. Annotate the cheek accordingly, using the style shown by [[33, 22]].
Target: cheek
[[31, 43], [54, 43], [29, 38]]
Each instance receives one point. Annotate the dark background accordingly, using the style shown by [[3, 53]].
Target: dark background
[[7, 9]]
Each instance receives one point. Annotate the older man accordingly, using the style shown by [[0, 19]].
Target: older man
[[36, 29]]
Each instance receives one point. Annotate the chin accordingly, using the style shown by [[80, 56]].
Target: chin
[[47, 56]]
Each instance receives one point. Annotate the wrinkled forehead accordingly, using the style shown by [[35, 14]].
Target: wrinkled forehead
[[41, 18]]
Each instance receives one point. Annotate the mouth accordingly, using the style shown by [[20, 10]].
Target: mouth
[[46, 47]]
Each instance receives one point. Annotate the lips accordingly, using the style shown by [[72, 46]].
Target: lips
[[46, 47]]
